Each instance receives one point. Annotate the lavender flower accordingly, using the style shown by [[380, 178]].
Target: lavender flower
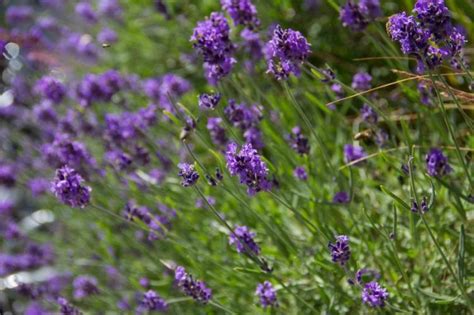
[[151, 301], [18, 14], [194, 288], [107, 35], [300, 173], [351, 16], [241, 115], [85, 286], [370, 8], [86, 12], [298, 141], [68, 188], [209, 101], [253, 135], [341, 197], [243, 240], [285, 52], [368, 114], [189, 175], [110, 8], [340, 250], [266, 294], [243, 12], [361, 81], [211, 40], [7, 175], [434, 15], [353, 153], [67, 308], [218, 133], [248, 165], [374, 295], [437, 163], [51, 89]]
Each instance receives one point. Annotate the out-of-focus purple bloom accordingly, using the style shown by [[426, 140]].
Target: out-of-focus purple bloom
[[211, 40], [267, 294], [300, 173], [241, 115], [338, 90], [166, 89], [189, 175], [107, 35], [110, 8], [35, 308], [340, 250], [44, 112], [242, 12], [67, 308], [341, 197], [426, 93], [39, 186], [85, 286], [437, 163], [353, 153], [193, 288], [381, 137], [253, 135], [200, 203], [368, 114], [361, 81], [209, 101], [151, 301], [351, 16], [243, 239], [363, 273], [51, 89], [298, 141], [69, 189], [144, 282], [374, 295], [248, 165], [370, 8], [252, 44], [7, 175], [285, 52], [17, 15], [86, 12], [217, 131]]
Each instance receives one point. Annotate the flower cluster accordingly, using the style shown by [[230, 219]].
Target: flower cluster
[[353, 153], [427, 34], [285, 52], [85, 286], [211, 40], [209, 101], [243, 239], [69, 189], [243, 12], [298, 141], [357, 16], [51, 89], [248, 165], [437, 163], [340, 250], [267, 294], [374, 295], [189, 175], [152, 301], [193, 288]]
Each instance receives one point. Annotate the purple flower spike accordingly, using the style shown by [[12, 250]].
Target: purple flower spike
[[300, 173], [151, 301], [193, 288], [266, 294], [353, 153], [189, 175], [340, 250], [69, 189], [243, 240], [437, 163], [374, 295], [242, 12], [85, 286]]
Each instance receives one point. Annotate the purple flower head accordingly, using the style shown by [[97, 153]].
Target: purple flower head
[[407, 31], [433, 14], [67, 308], [18, 14], [189, 175], [285, 52], [45, 113], [243, 239], [51, 89], [69, 189], [151, 301], [267, 294], [253, 135], [86, 12], [437, 163], [426, 93], [217, 131], [340, 250], [241, 115], [374, 295], [209, 101], [85, 286], [298, 141], [370, 8], [211, 40], [166, 89], [338, 90], [353, 153], [39, 186], [107, 35], [361, 81], [7, 175], [193, 288], [248, 165], [242, 12], [341, 197], [352, 17], [300, 173], [252, 44], [368, 114]]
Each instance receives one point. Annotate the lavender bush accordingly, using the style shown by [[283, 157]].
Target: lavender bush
[[236, 157]]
